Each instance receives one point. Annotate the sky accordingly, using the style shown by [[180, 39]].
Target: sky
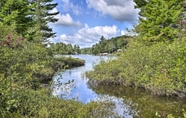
[[83, 22]]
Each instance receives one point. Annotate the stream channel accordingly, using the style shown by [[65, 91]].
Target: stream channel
[[129, 102]]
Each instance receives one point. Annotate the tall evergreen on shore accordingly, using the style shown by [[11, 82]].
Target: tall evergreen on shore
[[28, 16], [157, 17], [44, 16], [17, 13]]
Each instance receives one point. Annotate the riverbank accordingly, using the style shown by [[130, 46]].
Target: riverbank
[[18, 99], [158, 68], [59, 64]]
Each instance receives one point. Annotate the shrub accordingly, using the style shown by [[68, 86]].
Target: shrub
[[159, 68]]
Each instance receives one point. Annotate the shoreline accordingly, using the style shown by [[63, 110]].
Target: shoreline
[[58, 64], [152, 90]]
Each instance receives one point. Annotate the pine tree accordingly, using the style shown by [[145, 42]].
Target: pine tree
[[158, 17], [44, 16], [16, 13]]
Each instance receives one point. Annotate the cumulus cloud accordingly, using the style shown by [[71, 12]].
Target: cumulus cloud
[[121, 10], [68, 6], [65, 19], [87, 36]]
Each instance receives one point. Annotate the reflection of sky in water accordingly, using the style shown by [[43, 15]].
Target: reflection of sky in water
[[79, 90]]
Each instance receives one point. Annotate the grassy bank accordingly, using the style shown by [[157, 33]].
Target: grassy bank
[[159, 68]]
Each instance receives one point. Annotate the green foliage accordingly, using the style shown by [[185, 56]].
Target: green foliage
[[17, 13], [29, 103], [25, 15], [25, 63], [44, 16], [66, 62], [21, 71], [159, 15], [62, 48], [159, 68], [111, 45], [77, 49], [86, 51]]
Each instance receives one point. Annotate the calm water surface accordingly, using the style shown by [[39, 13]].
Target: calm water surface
[[129, 102]]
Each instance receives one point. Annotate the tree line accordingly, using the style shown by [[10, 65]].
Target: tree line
[[64, 49], [108, 45]]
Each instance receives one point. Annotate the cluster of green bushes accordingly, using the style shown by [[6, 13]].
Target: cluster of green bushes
[[58, 64], [71, 62], [25, 103], [159, 68], [24, 67]]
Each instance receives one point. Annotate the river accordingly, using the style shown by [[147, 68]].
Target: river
[[129, 102]]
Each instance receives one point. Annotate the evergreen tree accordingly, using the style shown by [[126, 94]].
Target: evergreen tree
[[140, 4], [17, 13], [77, 49], [69, 49], [102, 44], [44, 16], [159, 16]]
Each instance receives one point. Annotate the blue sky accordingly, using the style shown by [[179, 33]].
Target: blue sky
[[83, 22]]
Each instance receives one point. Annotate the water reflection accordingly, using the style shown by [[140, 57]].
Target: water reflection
[[78, 89], [129, 102], [63, 86], [141, 104]]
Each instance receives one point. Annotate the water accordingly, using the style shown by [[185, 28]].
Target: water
[[129, 102], [77, 89]]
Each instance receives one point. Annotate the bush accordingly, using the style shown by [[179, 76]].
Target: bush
[[159, 68], [39, 104]]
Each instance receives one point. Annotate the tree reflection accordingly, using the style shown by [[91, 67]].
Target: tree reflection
[[140, 103]]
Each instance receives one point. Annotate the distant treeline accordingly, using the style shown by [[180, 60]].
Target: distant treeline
[[103, 46], [108, 46], [62, 48]]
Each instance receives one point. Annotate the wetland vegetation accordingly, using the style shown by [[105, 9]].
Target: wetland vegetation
[[153, 60]]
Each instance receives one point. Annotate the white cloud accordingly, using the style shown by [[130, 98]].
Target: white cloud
[[87, 36], [67, 6], [65, 19], [121, 10], [128, 33]]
